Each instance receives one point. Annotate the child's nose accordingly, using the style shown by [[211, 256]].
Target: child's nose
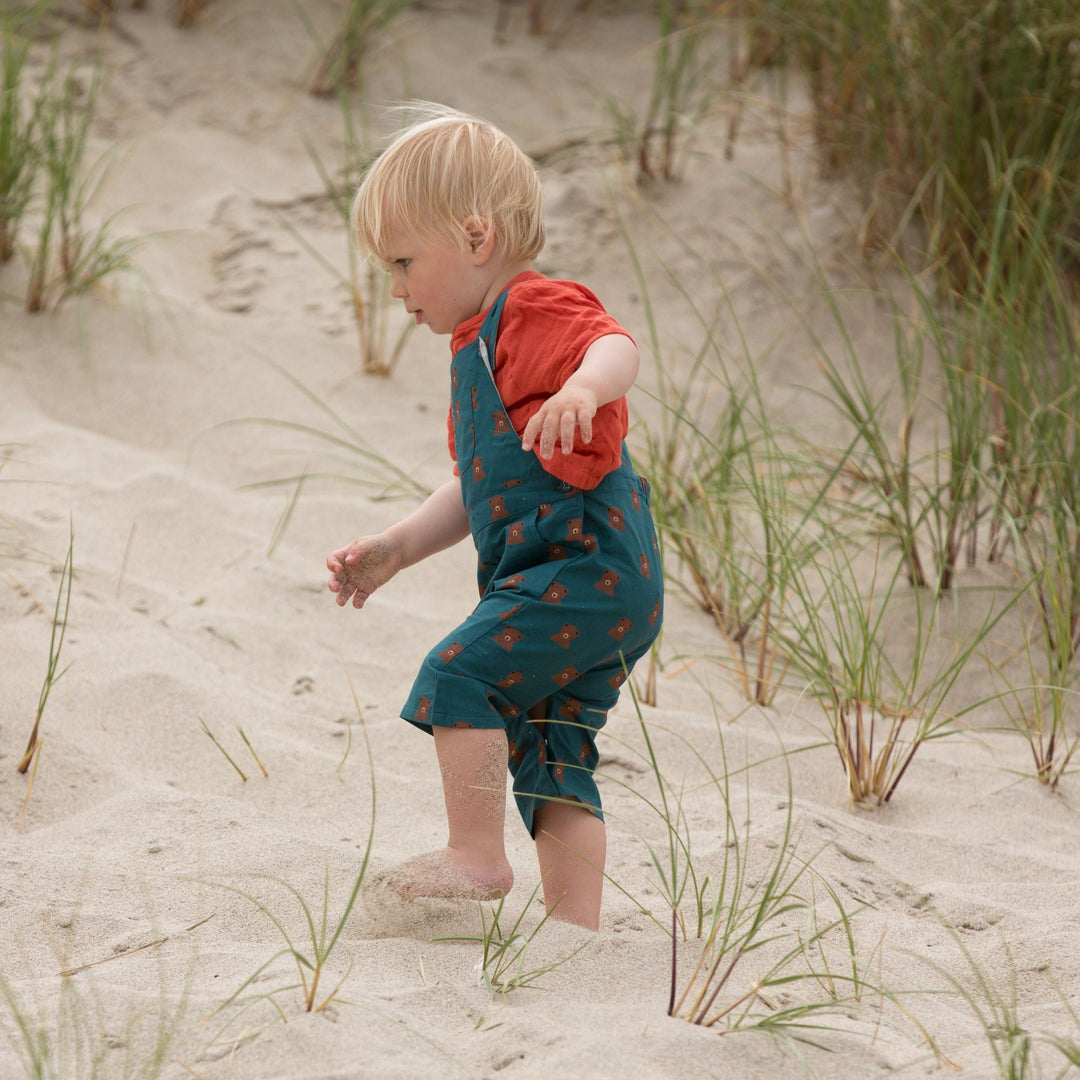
[[397, 288]]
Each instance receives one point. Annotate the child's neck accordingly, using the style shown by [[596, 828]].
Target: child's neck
[[501, 276]]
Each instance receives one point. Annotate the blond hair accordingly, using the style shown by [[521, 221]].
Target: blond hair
[[443, 171]]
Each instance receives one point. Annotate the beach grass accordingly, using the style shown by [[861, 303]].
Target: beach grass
[[53, 671], [752, 957], [654, 139], [224, 753], [787, 540], [78, 1043], [340, 66], [66, 1025], [932, 106], [504, 965], [69, 257], [309, 950], [1018, 1047], [733, 510], [768, 924], [20, 118], [677, 871], [882, 661], [187, 13], [368, 283], [354, 458], [555, 26]]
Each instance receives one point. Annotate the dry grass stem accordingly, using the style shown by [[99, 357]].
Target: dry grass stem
[[251, 749], [225, 753], [53, 671]]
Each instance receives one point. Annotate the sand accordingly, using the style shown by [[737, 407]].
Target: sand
[[158, 416]]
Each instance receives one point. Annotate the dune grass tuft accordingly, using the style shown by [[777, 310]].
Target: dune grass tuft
[[224, 753], [53, 671], [20, 119], [503, 966], [321, 933], [653, 140], [934, 107], [67, 256], [882, 660], [341, 60], [367, 282]]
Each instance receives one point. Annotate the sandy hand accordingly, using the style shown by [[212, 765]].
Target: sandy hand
[[559, 419], [358, 569]]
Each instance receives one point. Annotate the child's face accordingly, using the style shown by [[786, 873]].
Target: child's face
[[440, 283]]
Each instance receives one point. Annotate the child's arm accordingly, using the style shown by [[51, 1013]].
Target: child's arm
[[359, 568], [606, 372]]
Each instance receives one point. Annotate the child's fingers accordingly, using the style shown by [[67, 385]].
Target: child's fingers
[[552, 432], [532, 428], [567, 426], [584, 423]]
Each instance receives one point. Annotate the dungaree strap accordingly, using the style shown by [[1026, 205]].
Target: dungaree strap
[[485, 344]]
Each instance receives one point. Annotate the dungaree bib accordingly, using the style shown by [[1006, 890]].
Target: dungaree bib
[[571, 596]]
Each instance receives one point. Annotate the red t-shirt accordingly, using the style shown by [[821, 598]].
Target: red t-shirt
[[545, 328]]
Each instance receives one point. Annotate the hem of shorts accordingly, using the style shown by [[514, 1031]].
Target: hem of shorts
[[536, 800], [430, 725]]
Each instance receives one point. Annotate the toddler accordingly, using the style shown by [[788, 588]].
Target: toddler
[[571, 592]]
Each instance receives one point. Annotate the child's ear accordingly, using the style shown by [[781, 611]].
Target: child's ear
[[481, 238]]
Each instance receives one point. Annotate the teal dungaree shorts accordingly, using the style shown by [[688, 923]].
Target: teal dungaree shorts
[[571, 595]]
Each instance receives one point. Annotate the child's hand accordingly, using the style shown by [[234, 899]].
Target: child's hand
[[564, 413], [357, 570]]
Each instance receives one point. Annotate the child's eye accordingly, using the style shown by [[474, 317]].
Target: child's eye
[[403, 263]]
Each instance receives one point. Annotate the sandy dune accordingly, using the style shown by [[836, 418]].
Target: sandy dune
[[142, 852]]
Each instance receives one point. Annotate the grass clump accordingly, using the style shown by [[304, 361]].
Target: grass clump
[[366, 281], [184, 13], [187, 13], [20, 121], [311, 950], [882, 661], [503, 966], [1018, 1049], [69, 258], [765, 960], [53, 671], [758, 967], [341, 61], [724, 511], [935, 107], [309, 953], [80, 1042], [751, 958], [682, 91], [733, 500], [790, 545], [44, 176]]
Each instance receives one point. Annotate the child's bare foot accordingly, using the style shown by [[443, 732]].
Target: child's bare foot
[[446, 874]]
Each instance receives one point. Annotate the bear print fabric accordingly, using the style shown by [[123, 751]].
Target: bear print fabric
[[570, 599]]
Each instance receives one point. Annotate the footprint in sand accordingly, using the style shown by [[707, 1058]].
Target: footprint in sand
[[239, 279]]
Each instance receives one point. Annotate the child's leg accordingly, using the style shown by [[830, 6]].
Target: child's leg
[[571, 846], [473, 865]]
